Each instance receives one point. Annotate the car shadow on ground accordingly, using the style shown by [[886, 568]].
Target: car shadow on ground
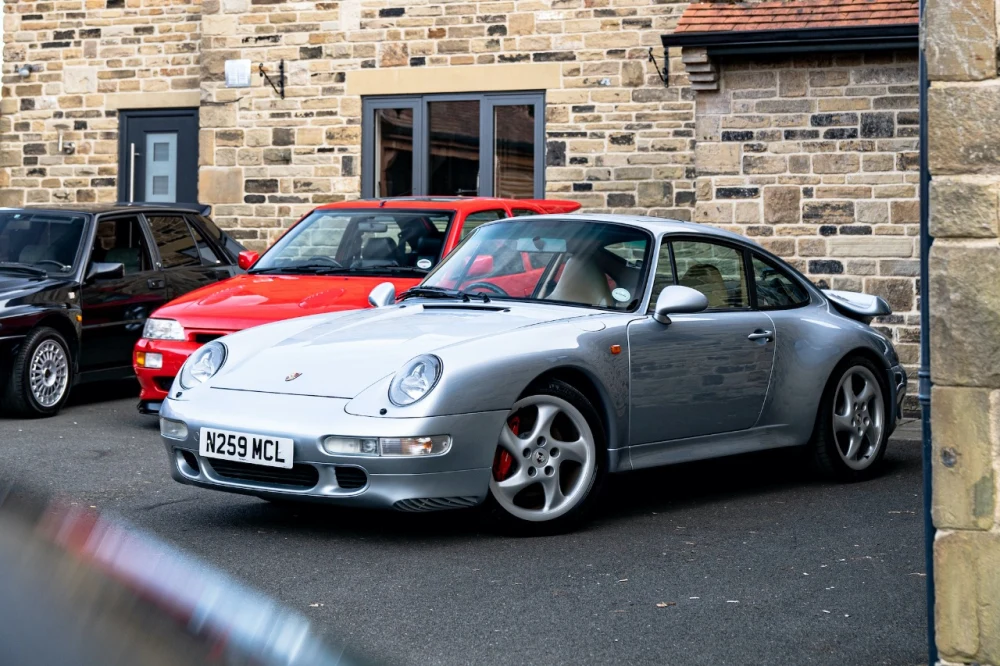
[[627, 496], [89, 394]]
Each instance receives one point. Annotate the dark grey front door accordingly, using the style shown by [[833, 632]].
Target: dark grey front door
[[158, 155]]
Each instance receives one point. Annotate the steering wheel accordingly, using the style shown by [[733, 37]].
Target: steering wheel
[[487, 286], [61, 265], [321, 259]]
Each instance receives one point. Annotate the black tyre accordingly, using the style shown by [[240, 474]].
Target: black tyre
[[852, 424], [41, 375], [550, 463]]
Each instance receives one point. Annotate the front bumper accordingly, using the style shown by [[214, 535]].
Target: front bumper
[[456, 479], [155, 384]]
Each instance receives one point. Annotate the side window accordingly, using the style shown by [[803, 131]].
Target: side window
[[714, 270], [121, 241], [174, 240], [475, 219], [205, 251], [522, 212], [664, 276], [775, 288]]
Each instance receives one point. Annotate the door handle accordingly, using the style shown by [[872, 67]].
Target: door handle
[[156, 283], [760, 334]]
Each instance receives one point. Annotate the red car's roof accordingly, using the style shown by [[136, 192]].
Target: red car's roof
[[467, 204]]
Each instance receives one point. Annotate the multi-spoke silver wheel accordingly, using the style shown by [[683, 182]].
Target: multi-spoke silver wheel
[[858, 417], [48, 373], [545, 461]]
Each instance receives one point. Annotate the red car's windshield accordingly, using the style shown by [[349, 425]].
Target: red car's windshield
[[371, 242], [580, 262]]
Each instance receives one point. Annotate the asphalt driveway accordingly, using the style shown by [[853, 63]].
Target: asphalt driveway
[[741, 561]]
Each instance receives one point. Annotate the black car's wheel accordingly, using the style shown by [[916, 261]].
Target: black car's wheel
[[41, 375], [550, 462], [852, 430]]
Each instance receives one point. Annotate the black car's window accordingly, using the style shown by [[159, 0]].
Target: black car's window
[[473, 220], [713, 269], [174, 240], [664, 276], [47, 241], [223, 240], [775, 289], [121, 241], [205, 250]]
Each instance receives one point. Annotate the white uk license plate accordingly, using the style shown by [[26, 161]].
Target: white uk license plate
[[246, 447]]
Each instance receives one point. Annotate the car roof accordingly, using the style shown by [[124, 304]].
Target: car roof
[[654, 225], [101, 208], [451, 203]]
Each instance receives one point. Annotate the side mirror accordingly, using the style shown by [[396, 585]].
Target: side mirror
[[104, 270], [246, 259], [382, 295], [676, 299], [481, 265]]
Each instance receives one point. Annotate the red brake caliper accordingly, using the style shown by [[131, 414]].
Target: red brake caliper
[[503, 461]]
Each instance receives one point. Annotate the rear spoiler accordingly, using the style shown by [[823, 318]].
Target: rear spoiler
[[555, 206], [858, 306]]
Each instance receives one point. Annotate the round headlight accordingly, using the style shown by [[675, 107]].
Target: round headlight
[[203, 365], [415, 380]]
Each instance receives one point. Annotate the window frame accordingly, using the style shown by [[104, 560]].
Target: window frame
[[419, 104]]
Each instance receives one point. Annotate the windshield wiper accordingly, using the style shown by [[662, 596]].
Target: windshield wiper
[[441, 292], [23, 268], [390, 269], [311, 269]]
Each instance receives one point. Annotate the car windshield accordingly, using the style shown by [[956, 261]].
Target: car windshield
[[570, 261], [371, 242], [39, 241]]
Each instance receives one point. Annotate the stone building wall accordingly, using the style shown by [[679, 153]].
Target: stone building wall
[[90, 60], [964, 283], [816, 159]]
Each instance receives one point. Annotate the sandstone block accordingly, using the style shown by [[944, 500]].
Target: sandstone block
[[717, 158], [394, 54], [792, 83], [80, 79], [962, 135], [836, 163], [220, 185], [12, 198], [956, 615], [961, 463], [960, 39], [781, 204], [965, 314], [871, 246], [872, 212], [765, 164], [963, 208], [217, 115], [905, 212], [655, 194]]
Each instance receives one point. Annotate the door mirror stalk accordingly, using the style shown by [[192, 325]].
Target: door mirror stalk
[[676, 299]]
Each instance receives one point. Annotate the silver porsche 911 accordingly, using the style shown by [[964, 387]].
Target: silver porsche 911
[[540, 356]]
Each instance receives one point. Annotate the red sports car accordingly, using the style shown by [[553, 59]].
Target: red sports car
[[330, 260]]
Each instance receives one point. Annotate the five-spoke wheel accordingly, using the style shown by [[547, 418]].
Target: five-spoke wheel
[[850, 436], [549, 457]]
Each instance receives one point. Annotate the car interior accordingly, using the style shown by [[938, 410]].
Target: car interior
[[120, 241]]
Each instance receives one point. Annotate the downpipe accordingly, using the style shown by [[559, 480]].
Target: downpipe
[[924, 374]]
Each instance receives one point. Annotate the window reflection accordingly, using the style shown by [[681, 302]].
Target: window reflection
[[394, 147], [514, 151], [454, 147]]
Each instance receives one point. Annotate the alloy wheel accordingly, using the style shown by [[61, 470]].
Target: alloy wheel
[[858, 417], [48, 373], [545, 460]]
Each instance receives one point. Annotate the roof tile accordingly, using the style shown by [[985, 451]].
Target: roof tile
[[783, 14]]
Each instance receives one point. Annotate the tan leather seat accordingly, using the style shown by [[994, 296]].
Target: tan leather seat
[[582, 282], [707, 279]]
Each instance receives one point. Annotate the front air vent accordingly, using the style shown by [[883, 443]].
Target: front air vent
[[299, 476], [351, 478], [205, 338], [435, 504]]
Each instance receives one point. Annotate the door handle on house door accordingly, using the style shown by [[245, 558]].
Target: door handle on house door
[[761, 334], [156, 283], [131, 172]]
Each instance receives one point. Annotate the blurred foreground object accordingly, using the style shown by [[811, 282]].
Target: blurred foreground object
[[79, 588]]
